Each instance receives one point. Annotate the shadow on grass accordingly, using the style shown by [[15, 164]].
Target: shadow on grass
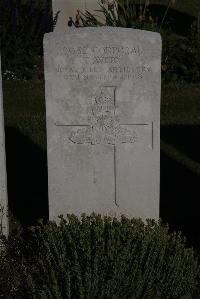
[[180, 186], [180, 200], [27, 178]]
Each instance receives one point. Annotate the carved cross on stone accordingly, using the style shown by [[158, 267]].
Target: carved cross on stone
[[103, 126]]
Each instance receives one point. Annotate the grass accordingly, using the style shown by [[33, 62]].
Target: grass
[[180, 104], [24, 107]]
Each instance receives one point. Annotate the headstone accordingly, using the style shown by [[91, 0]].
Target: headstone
[[103, 121], [3, 181], [68, 8]]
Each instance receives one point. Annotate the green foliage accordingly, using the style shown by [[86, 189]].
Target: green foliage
[[108, 258], [180, 56], [12, 270], [116, 13], [98, 258], [22, 26]]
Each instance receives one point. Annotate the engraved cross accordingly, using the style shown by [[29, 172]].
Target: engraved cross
[[103, 126]]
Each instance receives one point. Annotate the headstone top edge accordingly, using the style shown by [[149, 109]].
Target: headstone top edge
[[105, 29]]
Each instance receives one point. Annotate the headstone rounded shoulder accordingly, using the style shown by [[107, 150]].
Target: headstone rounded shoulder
[[103, 121]]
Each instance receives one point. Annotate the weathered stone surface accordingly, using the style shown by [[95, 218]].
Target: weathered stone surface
[[103, 121], [3, 180]]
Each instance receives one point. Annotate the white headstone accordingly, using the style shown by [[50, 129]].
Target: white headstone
[[3, 180], [68, 8], [103, 121]]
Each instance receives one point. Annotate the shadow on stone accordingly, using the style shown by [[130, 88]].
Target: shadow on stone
[[27, 178]]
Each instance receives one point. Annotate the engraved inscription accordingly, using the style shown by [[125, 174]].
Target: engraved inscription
[[104, 127], [96, 73], [101, 63], [100, 51]]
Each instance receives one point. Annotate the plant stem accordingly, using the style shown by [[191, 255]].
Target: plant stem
[[165, 14]]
